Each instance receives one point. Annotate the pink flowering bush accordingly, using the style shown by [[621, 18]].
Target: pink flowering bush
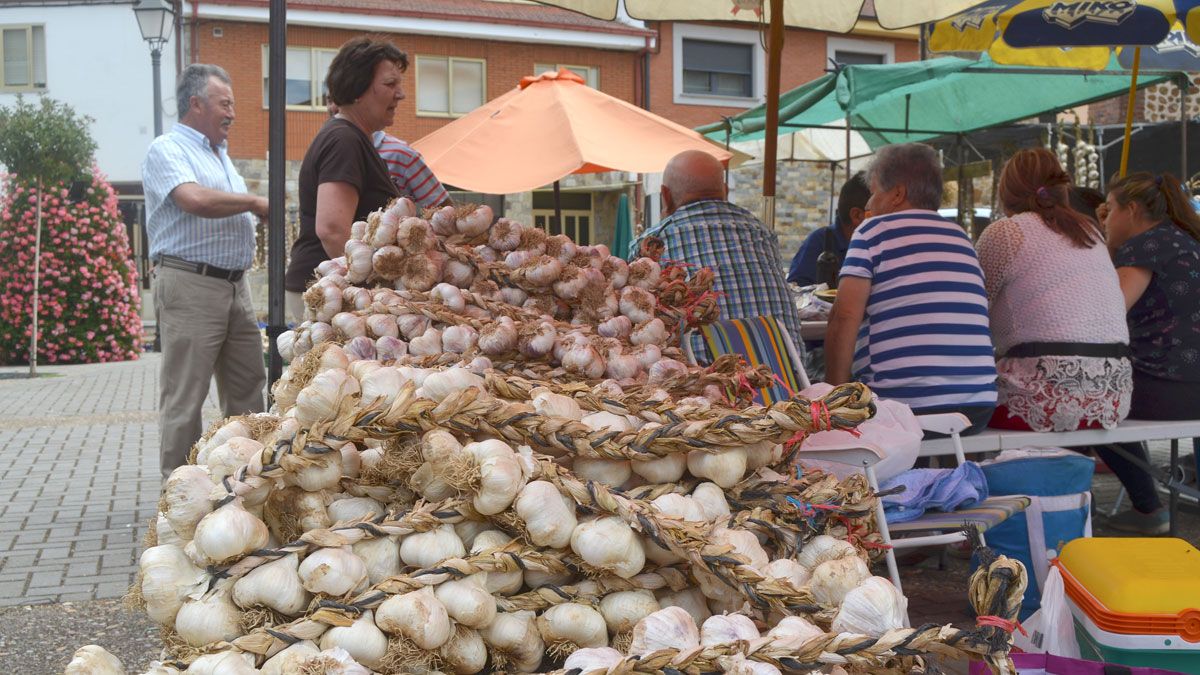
[[89, 306]]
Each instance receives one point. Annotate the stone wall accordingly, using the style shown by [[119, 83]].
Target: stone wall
[[802, 198], [1162, 101]]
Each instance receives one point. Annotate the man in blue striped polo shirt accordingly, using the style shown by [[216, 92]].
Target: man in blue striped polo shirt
[[911, 315], [200, 222]]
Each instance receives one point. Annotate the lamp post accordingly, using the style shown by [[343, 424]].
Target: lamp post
[[155, 19]]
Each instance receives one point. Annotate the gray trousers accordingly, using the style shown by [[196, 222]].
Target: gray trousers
[[208, 329]]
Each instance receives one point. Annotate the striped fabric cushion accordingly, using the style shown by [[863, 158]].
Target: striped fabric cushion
[[759, 341], [986, 515]]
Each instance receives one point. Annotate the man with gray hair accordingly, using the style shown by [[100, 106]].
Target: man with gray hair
[[701, 227], [200, 222], [911, 315]]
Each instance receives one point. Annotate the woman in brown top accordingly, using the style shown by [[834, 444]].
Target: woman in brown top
[[342, 177]]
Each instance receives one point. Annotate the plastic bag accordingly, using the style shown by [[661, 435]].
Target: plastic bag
[[1051, 629], [894, 430]]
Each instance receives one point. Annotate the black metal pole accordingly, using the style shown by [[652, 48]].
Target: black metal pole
[[276, 195], [156, 66], [557, 209], [1183, 137]]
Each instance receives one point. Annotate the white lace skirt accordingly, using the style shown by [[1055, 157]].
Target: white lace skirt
[[1060, 393]]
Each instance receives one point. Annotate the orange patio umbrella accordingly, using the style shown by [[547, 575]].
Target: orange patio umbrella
[[549, 127]]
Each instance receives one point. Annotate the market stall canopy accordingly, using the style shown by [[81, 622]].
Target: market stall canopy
[[549, 127], [809, 145], [838, 16], [913, 101]]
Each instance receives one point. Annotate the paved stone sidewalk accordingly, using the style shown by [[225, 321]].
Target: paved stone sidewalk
[[80, 480]]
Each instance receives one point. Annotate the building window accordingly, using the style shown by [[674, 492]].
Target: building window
[[450, 87], [590, 74], [717, 66], [23, 56], [576, 215], [305, 71], [850, 52]]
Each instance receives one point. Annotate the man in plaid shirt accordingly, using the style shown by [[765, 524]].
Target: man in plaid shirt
[[701, 227]]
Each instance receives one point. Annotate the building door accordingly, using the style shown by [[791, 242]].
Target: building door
[[576, 215]]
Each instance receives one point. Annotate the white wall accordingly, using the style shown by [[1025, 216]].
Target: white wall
[[97, 62]]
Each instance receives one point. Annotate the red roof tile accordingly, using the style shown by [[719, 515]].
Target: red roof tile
[[482, 11]]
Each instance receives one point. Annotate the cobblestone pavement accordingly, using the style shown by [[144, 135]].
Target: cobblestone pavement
[[79, 447]]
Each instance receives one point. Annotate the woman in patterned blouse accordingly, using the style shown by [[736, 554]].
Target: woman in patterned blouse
[[1154, 237]]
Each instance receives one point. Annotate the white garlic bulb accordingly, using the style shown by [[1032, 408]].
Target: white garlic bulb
[[168, 578], [789, 570], [227, 431], [381, 555], [324, 396], [691, 600], [229, 532], [94, 660], [333, 571], [467, 601], [354, 508], [163, 532], [231, 456], [610, 472], [873, 608], [229, 662], [550, 404], [740, 665], [593, 658], [418, 616], [426, 549], [426, 481], [723, 467], [793, 631], [725, 628], [500, 583], [679, 506], [515, 637], [467, 530], [380, 387], [186, 498], [744, 543], [665, 469], [465, 653], [669, 628], [317, 471], [609, 544], [823, 548], [764, 453], [209, 618], [833, 579], [293, 510], [288, 661], [362, 640], [573, 623], [623, 609], [276, 585], [548, 514], [437, 386], [711, 499]]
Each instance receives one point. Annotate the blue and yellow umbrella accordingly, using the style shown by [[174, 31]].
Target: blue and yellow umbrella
[[1079, 34]]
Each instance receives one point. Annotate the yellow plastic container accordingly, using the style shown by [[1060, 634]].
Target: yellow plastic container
[[1136, 576], [1135, 586]]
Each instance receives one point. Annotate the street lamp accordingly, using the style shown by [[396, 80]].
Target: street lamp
[[155, 19]]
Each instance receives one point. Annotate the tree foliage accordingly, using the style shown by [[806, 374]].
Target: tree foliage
[[47, 141]]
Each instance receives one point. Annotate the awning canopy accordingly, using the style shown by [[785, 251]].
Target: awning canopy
[[913, 101]]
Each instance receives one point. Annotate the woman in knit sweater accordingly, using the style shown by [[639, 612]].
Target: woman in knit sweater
[[1056, 309]]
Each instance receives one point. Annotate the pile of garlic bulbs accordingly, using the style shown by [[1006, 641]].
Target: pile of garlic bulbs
[[420, 500], [459, 284]]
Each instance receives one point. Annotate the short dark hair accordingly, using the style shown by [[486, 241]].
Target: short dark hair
[[353, 68], [854, 195], [1085, 200]]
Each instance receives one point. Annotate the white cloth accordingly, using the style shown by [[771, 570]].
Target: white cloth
[[1044, 288], [894, 430]]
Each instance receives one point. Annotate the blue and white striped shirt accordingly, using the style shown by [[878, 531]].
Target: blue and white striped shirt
[[925, 339], [184, 155]]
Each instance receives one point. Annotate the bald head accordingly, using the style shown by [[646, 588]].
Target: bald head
[[691, 176]]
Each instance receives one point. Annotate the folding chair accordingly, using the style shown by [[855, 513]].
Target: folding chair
[[933, 528], [760, 340]]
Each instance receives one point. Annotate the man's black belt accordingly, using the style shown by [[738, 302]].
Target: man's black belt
[[1110, 350], [200, 268]]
